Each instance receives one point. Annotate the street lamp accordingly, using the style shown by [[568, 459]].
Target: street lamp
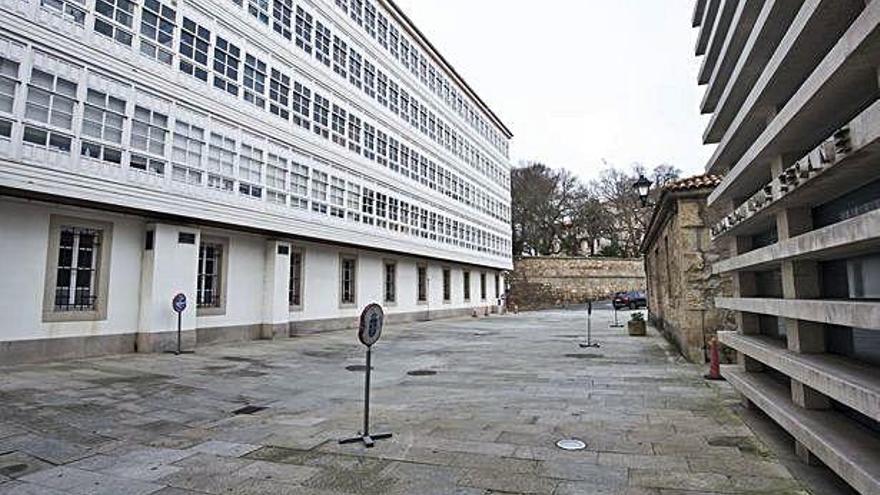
[[642, 187]]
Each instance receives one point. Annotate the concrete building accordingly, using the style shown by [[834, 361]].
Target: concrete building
[[281, 163], [792, 88], [679, 256]]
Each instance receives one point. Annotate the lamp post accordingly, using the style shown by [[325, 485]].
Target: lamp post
[[642, 187]]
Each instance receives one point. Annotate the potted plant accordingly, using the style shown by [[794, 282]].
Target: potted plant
[[637, 325]]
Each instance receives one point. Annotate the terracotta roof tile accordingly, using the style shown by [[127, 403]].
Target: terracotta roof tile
[[695, 182]]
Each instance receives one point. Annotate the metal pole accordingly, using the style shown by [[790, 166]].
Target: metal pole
[[179, 318], [367, 395], [589, 330]]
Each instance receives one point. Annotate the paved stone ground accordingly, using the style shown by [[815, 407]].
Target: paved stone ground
[[505, 389]]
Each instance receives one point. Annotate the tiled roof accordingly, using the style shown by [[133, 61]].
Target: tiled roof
[[695, 182]]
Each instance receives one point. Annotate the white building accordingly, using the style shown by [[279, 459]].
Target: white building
[[282, 163]]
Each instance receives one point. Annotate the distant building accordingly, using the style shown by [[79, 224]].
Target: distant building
[[280, 163], [679, 256], [792, 88]]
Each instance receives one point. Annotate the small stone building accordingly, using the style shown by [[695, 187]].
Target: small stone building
[[678, 265]]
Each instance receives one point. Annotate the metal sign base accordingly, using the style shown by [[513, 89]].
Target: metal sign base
[[584, 345], [365, 436], [367, 439], [616, 323], [589, 342]]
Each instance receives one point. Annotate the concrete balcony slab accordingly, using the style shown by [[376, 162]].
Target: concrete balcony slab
[[706, 26], [717, 41], [859, 314], [848, 448], [847, 381], [859, 235]]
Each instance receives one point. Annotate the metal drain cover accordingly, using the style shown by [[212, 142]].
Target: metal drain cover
[[571, 444], [249, 410], [421, 372]]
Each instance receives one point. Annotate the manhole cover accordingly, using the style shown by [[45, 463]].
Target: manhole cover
[[571, 444], [249, 410], [421, 372], [357, 367]]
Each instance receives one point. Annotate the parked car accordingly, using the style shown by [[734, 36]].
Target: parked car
[[633, 299]]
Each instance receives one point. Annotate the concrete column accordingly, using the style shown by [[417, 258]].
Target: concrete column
[[744, 285], [276, 310], [168, 268]]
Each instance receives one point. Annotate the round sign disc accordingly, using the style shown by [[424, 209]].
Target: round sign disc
[[370, 329], [571, 444], [179, 302]]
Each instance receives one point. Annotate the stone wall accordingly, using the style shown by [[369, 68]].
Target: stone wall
[[545, 282], [681, 287]]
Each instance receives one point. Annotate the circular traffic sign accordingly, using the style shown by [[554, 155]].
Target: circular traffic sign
[[178, 303], [370, 328]]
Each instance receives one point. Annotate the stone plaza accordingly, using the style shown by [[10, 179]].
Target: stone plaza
[[475, 405]]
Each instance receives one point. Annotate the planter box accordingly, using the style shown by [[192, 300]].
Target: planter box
[[637, 328]]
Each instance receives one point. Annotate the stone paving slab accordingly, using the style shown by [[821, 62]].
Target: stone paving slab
[[505, 388]]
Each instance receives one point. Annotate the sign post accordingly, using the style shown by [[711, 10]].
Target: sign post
[[369, 331], [178, 304], [589, 342]]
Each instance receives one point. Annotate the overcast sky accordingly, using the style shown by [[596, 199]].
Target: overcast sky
[[579, 81]]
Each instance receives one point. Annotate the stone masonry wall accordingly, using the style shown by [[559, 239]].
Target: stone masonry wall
[[681, 286], [545, 282]]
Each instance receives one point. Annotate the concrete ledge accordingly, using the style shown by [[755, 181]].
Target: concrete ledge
[[717, 41], [707, 25], [164, 341], [42, 350], [856, 235], [849, 449], [844, 380], [845, 313]]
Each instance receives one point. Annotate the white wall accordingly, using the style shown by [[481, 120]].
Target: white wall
[[24, 238]]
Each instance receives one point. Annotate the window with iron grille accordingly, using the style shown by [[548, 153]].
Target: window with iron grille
[[254, 81], [279, 94], [209, 288], [466, 280], [302, 102], [260, 10], [299, 185], [390, 282], [114, 19], [157, 31], [50, 100], [321, 115], [78, 263], [422, 283], [282, 13], [340, 56], [303, 29], [322, 43], [295, 288], [69, 10], [447, 285], [226, 65], [194, 43], [348, 280]]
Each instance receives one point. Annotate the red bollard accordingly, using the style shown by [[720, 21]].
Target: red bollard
[[714, 361]]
